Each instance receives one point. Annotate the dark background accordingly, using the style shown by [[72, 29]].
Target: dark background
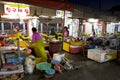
[[103, 4]]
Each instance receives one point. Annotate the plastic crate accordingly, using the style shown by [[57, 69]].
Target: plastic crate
[[15, 59], [75, 49]]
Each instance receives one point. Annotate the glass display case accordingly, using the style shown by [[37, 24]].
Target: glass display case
[[22, 27], [7, 28], [46, 27]]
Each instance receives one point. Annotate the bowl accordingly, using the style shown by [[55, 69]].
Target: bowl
[[43, 66], [50, 71]]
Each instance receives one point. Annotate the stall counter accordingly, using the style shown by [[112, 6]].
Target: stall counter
[[74, 47]]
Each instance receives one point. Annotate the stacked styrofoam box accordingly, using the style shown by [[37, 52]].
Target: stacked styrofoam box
[[99, 55]]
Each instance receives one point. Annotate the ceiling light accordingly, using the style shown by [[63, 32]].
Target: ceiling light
[[92, 20]]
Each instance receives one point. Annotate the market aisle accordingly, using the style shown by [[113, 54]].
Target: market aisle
[[85, 70], [91, 70]]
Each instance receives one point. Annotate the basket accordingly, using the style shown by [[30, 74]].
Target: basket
[[23, 44], [38, 60]]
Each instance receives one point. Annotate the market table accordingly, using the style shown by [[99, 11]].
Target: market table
[[55, 46]]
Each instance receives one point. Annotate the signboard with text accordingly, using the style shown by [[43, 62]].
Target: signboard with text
[[16, 9]]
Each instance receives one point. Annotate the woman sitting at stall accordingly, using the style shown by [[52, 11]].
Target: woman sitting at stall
[[17, 34], [65, 32]]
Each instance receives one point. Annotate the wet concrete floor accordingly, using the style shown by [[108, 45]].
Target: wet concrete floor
[[85, 69]]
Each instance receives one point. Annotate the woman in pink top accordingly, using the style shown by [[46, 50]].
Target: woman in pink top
[[66, 32], [36, 36], [38, 45]]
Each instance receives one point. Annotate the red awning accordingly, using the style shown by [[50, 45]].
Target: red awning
[[52, 4]]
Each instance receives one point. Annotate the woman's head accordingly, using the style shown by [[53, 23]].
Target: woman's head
[[65, 28], [34, 29]]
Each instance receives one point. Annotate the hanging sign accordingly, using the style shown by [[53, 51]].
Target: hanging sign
[[16, 9], [60, 13], [68, 14], [118, 28]]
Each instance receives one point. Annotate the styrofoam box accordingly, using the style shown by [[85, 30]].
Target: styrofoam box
[[99, 55]]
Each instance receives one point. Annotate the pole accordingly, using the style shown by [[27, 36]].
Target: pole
[[64, 19], [65, 5], [0, 16], [64, 14], [18, 48]]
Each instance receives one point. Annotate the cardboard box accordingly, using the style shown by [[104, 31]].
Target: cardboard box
[[66, 46]]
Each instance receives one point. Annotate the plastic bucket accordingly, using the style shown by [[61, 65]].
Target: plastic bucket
[[57, 57]]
